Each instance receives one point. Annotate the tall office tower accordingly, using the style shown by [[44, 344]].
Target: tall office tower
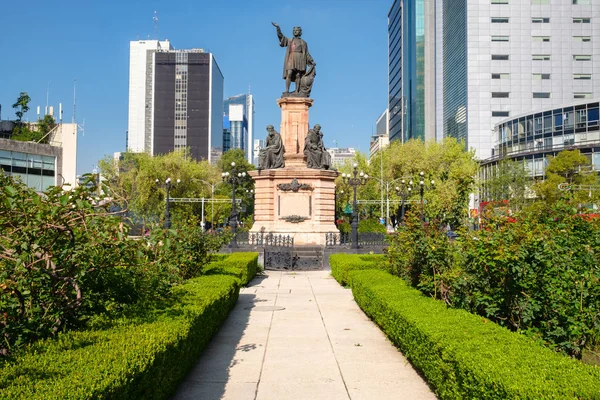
[[504, 58], [184, 104], [411, 69], [381, 138], [141, 67], [259, 144], [239, 111]]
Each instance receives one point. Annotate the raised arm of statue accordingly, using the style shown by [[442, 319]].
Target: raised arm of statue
[[283, 41]]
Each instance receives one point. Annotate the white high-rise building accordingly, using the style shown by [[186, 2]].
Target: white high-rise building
[[503, 58], [491, 59], [141, 66]]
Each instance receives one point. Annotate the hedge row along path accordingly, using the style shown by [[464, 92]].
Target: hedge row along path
[[300, 335]]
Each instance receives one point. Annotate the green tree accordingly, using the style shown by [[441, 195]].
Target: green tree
[[21, 106], [132, 182], [447, 163], [510, 181], [570, 167]]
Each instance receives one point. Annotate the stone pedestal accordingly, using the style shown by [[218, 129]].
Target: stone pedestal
[[294, 127], [295, 200]]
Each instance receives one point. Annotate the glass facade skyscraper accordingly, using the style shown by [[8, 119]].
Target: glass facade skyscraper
[[395, 105], [411, 80], [239, 114], [454, 67]]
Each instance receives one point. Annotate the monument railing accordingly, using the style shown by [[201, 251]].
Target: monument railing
[[365, 239], [263, 239]]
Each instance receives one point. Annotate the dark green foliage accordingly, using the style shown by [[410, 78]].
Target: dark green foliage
[[464, 356], [243, 266], [64, 261], [139, 358], [341, 264], [536, 272]]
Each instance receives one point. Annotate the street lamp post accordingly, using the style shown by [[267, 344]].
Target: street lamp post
[[168, 185], [423, 186], [355, 180], [250, 193], [387, 197], [212, 201], [404, 192], [234, 178]]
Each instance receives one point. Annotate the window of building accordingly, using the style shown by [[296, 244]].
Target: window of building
[[582, 76], [500, 94], [581, 2], [582, 57], [581, 20], [541, 76], [542, 57], [499, 1], [541, 95], [540, 1], [540, 20], [499, 38], [582, 38], [540, 38], [500, 20], [581, 95], [500, 76], [500, 113], [499, 56]]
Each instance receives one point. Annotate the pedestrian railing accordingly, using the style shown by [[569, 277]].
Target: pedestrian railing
[[263, 239]]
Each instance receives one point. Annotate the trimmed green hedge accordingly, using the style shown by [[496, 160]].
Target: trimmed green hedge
[[144, 357], [465, 356], [341, 264], [241, 265]]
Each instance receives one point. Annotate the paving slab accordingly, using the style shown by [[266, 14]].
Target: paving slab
[[300, 335]]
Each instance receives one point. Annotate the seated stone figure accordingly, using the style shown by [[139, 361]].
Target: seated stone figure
[[317, 157], [271, 157]]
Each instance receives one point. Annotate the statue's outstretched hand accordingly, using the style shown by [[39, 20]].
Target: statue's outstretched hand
[[275, 24]]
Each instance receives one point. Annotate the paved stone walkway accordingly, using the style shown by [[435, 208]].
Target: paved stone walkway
[[300, 335]]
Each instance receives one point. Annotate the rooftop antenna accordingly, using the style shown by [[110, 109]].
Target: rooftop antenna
[[155, 19], [74, 100], [47, 95]]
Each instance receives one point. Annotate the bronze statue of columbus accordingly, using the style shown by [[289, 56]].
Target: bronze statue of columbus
[[297, 58]]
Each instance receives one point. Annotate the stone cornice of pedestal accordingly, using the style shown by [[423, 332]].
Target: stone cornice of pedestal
[[297, 173], [295, 100]]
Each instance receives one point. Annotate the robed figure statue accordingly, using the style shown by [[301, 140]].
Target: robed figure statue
[[271, 156], [317, 157], [297, 58]]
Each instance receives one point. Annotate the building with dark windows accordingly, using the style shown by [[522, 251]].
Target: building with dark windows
[[239, 113], [176, 101], [411, 85], [532, 137]]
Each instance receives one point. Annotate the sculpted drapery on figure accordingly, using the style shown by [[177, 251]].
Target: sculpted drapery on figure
[[271, 157], [297, 58], [317, 157]]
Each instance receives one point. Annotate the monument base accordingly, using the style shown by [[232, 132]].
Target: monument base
[[295, 201]]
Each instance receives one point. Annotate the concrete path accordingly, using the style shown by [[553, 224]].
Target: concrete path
[[300, 335]]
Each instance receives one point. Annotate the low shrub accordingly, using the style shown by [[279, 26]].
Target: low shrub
[[241, 265], [341, 264], [140, 358], [463, 355]]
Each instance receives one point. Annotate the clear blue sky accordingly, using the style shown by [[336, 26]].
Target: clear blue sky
[[52, 43]]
